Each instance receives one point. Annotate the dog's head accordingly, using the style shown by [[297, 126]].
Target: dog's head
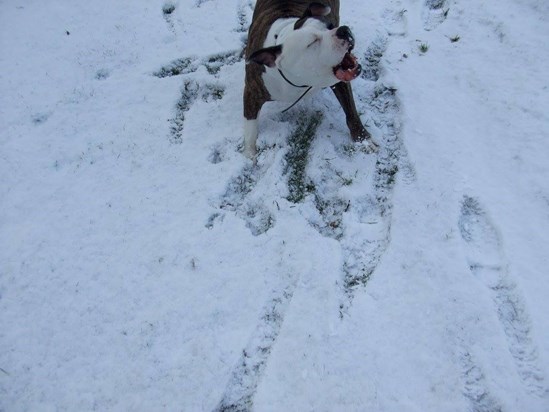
[[314, 52]]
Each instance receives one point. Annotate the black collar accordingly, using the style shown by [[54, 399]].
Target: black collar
[[295, 85], [288, 81]]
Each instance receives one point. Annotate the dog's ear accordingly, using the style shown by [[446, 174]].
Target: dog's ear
[[266, 56], [314, 10], [317, 10]]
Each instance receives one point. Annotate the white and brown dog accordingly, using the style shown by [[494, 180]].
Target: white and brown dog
[[295, 47]]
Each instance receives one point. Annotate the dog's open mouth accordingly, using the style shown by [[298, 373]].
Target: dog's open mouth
[[348, 69]]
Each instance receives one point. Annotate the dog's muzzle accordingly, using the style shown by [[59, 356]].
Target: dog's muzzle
[[344, 33]]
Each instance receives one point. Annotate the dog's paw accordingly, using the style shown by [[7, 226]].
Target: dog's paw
[[364, 140], [368, 145], [250, 155], [250, 152]]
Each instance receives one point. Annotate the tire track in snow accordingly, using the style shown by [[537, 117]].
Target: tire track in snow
[[239, 198], [373, 213], [362, 223], [242, 385], [359, 220], [476, 388], [486, 262]]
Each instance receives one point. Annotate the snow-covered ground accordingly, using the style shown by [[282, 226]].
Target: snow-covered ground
[[146, 265]]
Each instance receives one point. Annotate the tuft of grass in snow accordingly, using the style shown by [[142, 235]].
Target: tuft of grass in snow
[[352, 279], [240, 186], [423, 47], [345, 180], [215, 91], [388, 173], [435, 4], [189, 93], [40, 118], [331, 210], [185, 65], [168, 8], [177, 67], [455, 38], [102, 74], [297, 157], [214, 63], [258, 218]]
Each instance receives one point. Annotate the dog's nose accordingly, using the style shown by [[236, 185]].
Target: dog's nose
[[345, 33]]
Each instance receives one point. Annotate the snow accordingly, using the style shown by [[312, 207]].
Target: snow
[[145, 264]]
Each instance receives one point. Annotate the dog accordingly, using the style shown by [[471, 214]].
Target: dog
[[296, 47]]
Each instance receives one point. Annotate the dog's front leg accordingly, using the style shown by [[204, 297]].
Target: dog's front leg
[[344, 94], [250, 138], [252, 107]]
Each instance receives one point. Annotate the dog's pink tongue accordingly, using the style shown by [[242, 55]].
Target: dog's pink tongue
[[346, 75], [349, 69]]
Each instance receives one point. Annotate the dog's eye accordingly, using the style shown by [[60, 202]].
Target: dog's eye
[[330, 26]]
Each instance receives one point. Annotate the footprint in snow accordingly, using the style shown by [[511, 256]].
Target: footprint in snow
[[433, 13], [167, 11], [487, 263]]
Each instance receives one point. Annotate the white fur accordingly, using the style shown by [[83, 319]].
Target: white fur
[[250, 137]]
